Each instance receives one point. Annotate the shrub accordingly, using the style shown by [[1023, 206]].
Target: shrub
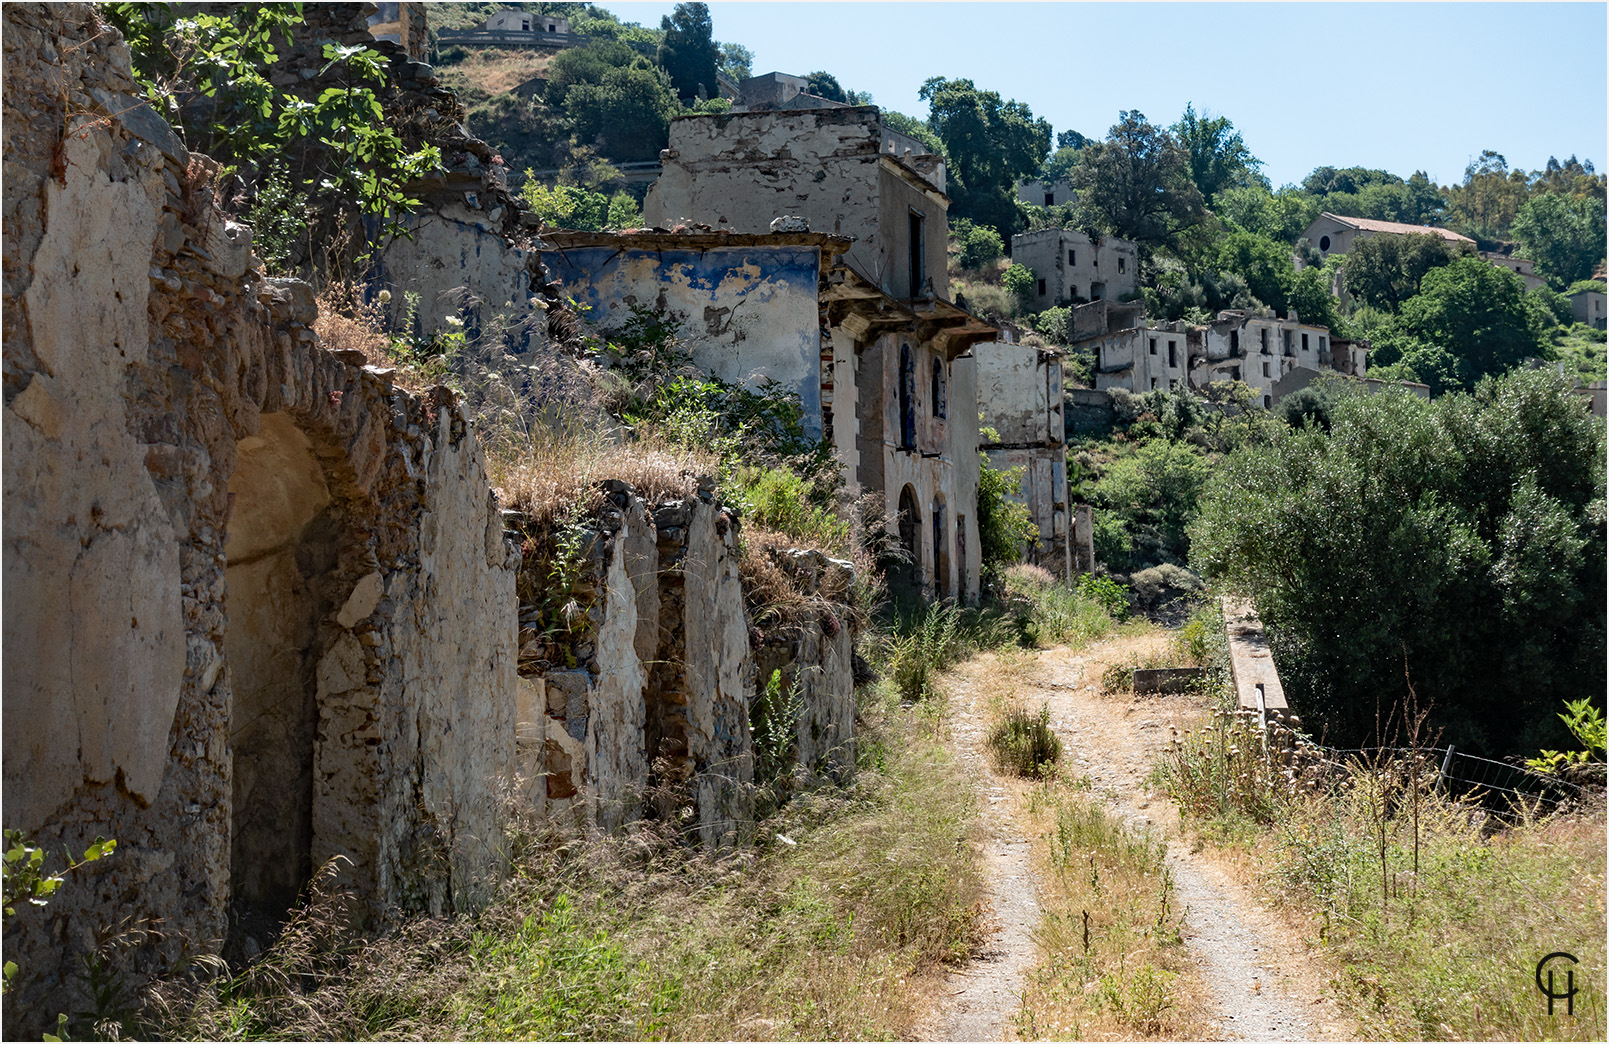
[[1018, 281], [1023, 743], [1049, 611], [1108, 593], [980, 245], [1004, 526]]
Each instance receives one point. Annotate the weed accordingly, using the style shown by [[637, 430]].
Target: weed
[[1111, 958], [1023, 743], [1048, 612]]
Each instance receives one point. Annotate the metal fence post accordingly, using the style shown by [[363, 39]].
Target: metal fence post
[[1441, 780]]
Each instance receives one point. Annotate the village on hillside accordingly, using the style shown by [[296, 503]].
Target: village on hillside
[[518, 526]]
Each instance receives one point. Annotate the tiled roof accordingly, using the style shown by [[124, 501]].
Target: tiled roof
[[1397, 228]]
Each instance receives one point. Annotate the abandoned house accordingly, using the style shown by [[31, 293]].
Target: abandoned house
[[1020, 409], [1257, 348], [1071, 268], [1046, 193], [895, 349], [1334, 234], [262, 606], [746, 305], [1588, 306]]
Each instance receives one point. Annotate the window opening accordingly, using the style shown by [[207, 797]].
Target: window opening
[[907, 396], [917, 275]]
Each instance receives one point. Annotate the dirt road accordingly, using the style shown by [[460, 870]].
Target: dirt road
[[1257, 976]]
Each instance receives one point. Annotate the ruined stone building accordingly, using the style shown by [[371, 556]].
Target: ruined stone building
[[1046, 193], [895, 349], [262, 609], [1069, 267], [1257, 348], [1589, 306], [1020, 409], [258, 603], [747, 304]]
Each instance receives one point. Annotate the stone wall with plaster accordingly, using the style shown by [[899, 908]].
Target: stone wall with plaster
[[748, 313], [259, 608], [638, 671]]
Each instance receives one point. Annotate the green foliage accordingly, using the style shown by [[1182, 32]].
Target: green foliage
[[1048, 611], [208, 74], [1060, 165], [1470, 319], [1107, 593], [689, 54], [1564, 235], [737, 61], [1018, 281], [979, 245], [25, 881], [1217, 154], [1385, 271], [1265, 265], [627, 112], [990, 144], [1586, 724], [825, 85], [1023, 744], [1137, 183], [573, 207], [1004, 526], [774, 722], [1453, 545], [278, 215], [1154, 493], [1281, 216], [781, 500]]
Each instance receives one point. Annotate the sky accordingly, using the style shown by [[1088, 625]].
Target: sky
[[1401, 87]]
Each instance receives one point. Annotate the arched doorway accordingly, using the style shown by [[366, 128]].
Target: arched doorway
[[908, 578], [283, 549]]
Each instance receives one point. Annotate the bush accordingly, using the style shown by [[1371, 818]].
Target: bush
[[1018, 281], [1004, 526], [1456, 546], [1024, 745], [979, 246], [1049, 611], [1108, 593]]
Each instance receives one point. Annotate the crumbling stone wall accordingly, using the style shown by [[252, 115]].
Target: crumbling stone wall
[[641, 704], [209, 515]]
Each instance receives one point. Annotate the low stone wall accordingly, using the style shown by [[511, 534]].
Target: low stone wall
[[259, 611], [638, 700]]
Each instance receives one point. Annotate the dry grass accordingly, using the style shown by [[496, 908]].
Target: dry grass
[[1436, 931], [1112, 960], [347, 323], [839, 934], [494, 70], [548, 471]]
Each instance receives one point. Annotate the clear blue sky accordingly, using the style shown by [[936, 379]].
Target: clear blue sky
[[1402, 87]]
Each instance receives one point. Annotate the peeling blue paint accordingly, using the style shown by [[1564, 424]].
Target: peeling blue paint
[[749, 313]]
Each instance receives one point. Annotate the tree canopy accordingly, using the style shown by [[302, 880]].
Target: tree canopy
[[1218, 155], [1470, 319], [1385, 271], [1563, 234], [1455, 546], [1137, 183], [990, 142], [689, 53]]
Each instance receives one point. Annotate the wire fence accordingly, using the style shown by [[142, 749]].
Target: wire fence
[[1499, 786]]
